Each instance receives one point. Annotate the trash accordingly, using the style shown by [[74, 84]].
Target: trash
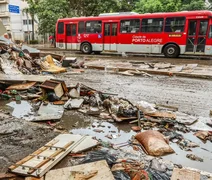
[[73, 103], [204, 135], [67, 61], [24, 86], [99, 155], [156, 165], [187, 144], [74, 93], [121, 175], [185, 119], [142, 174], [47, 112], [136, 128], [94, 111], [42, 160], [162, 65], [50, 86], [154, 143], [194, 157], [158, 114], [186, 174], [155, 175], [90, 169], [48, 65], [145, 107], [7, 176]]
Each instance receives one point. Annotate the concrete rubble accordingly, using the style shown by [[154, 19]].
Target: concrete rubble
[[38, 107]]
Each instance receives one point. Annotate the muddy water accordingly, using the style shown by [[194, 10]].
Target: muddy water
[[121, 133]]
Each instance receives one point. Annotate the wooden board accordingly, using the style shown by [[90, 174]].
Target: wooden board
[[163, 115], [24, 86], [185, 174], [68, 142], [104, 172], [21, 78]]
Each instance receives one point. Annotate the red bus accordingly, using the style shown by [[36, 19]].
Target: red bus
[[172, 33]]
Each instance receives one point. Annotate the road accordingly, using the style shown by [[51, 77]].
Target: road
[[192, 96]]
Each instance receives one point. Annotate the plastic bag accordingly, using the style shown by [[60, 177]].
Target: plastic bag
[[145, 107], [154, 143], [121, 175], [99, 155]]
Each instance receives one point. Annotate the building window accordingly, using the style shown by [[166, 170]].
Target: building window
[[130, 26], [152, 25], [175, 24], [25, 22], [60, 27], [93, 26], [81, 27]]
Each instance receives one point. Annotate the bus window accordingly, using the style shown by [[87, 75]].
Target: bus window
[[81, 27], [175, 24], [93, 27], [210, 32], [74, 30], [152, 25], [60, 28], [192, 28], [68, 30], [203, 27], [130, 26]]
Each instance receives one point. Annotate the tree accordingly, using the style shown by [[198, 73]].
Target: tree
[[49, 11], [32, 9], [190, 5], [150, 6]]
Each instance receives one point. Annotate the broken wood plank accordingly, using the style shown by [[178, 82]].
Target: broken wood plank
[[163, 115], [23, 86]]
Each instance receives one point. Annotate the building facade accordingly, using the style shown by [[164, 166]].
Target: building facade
[[18, 23]]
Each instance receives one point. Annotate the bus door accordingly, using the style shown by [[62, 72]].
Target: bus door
[[110, 36], [197, 32], [71, 36]]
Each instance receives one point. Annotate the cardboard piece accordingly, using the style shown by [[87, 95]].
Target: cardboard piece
[[181, 174], [67, 173]]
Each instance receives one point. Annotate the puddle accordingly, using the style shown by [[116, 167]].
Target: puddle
[[20, 110], [85, 125]]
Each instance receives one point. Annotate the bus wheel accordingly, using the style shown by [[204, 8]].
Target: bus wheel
[[86, 48], [171, 51]]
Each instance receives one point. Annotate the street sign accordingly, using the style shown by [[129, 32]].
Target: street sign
[[14, 9]]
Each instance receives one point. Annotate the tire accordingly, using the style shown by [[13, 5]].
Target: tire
[[171, 51], [86, 48]]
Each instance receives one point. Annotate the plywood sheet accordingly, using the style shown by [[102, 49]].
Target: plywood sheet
[[185, 174], [163, 115], [23, 86], [63, 140], [104, 172]]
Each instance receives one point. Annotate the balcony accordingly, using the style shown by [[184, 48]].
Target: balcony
[[4, 1], [4, 14]]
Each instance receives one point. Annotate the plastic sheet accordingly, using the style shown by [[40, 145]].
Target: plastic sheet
[[100, 155], [121, 175]]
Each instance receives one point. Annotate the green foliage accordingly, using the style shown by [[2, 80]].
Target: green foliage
[[49, 11], [33, 41], [150, 6]]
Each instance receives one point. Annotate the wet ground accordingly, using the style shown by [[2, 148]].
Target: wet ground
[[191, 96]]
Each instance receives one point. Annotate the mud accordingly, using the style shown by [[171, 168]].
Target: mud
[[191, 96], [19, 138]]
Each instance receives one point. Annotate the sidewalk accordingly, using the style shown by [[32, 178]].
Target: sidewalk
[[183, 70]]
